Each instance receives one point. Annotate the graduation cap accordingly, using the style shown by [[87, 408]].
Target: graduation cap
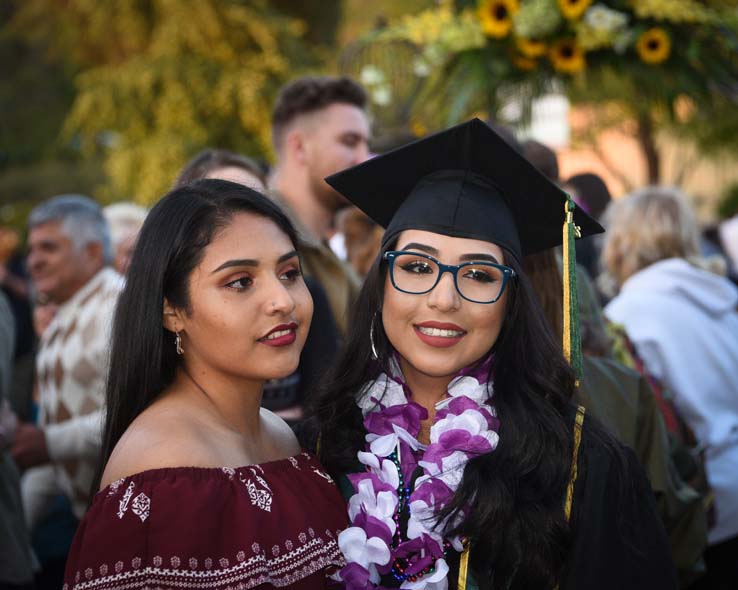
[[464, 182], [468, 182]]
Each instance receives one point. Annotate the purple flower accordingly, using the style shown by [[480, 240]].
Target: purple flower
[[480, 370], [379, 485], [355, 577], [419, 553], [433, 492], [407, 416], [455, 440], [456, 406], [373, 527]]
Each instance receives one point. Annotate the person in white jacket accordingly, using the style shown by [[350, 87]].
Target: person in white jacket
[[69, 254], [683, 320]]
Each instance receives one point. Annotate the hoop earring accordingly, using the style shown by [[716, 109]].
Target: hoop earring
[[375, 356], [178, 343]]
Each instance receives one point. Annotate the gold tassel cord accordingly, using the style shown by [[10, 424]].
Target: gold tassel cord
[[571, 336], [567, 285], [463, 567], [574, 462]]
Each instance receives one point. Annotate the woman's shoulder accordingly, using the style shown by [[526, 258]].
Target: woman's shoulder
[[160, 437]]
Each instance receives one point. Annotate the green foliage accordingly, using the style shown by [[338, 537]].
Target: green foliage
[[161, 79], [728, 206]]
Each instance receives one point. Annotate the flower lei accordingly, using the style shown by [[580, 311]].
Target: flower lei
[[465, 426]]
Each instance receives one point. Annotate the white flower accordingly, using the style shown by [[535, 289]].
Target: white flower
[[382, 95], [356, 548], [422, 521], [622, 41], [385, 444], [371, 75], [471, 388], [603, 18], [470, 420], [383, 389], [380, 505], [437, 581], [421, 68]]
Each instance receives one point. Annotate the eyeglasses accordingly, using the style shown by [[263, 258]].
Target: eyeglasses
[[478, 282]]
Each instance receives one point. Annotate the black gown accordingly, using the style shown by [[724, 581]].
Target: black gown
[[619, 541]]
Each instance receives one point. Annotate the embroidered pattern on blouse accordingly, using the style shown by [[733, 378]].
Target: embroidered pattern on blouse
[[259, 492], [113, 487], [141, 506], [280, 571], [322, 474], [294, 463], [123, 504]]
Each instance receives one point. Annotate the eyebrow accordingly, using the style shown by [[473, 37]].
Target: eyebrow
[[479, 256], [422, 248], [464, 258], [251, 261]]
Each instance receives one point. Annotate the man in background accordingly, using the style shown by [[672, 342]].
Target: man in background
[[319, 127], [69, 254]]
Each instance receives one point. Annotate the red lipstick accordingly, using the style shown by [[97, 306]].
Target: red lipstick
[[281, 335], [435, 339]]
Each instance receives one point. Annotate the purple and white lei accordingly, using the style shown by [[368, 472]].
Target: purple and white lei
[[465, 426]]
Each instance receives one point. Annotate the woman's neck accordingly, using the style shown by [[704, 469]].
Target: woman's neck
[[427, 390], [235, 403]]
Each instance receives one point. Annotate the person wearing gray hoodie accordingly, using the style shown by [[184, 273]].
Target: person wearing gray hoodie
[[683, 320]]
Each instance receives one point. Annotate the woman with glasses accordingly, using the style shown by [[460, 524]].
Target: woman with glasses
[[447, 421]]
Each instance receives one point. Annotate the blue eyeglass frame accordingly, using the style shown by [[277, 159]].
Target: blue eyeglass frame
[[507, 273]]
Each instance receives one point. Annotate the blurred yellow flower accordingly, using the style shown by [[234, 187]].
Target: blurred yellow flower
[[496, 16], [524, 63], [573, 9], [654, 46], [530, 47], [567, 56]]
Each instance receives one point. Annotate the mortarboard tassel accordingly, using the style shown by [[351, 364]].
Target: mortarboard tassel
[[572, 338]]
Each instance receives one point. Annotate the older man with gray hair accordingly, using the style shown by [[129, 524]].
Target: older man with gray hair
[[68, 261]]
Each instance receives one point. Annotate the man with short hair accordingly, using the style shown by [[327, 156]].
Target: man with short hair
[[69, 254], [319, 127]]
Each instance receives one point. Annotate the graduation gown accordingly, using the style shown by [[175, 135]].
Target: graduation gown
[[618, 540]]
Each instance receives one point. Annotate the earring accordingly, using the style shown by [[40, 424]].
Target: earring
[[375, 356], [178, 343]]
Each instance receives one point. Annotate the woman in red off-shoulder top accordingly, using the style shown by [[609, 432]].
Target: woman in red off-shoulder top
[[201, 488]]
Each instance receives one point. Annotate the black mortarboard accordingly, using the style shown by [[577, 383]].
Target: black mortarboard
[[465, 182]]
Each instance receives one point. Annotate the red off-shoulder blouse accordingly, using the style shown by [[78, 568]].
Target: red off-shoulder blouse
[[270, 525]]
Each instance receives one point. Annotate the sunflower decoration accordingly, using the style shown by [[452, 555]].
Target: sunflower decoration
[[530, 48], [654, 46], [573, 9], [567, 56], [496, 16]]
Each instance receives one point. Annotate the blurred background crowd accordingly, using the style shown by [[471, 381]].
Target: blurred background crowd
[[630, 106]]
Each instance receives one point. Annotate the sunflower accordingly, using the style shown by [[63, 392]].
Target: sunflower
[[573, 9], [530, 48], [654, 46], [566, 56], [496, 16]]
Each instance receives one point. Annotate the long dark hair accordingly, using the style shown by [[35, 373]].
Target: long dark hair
[[171, 244], [515, 520]]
